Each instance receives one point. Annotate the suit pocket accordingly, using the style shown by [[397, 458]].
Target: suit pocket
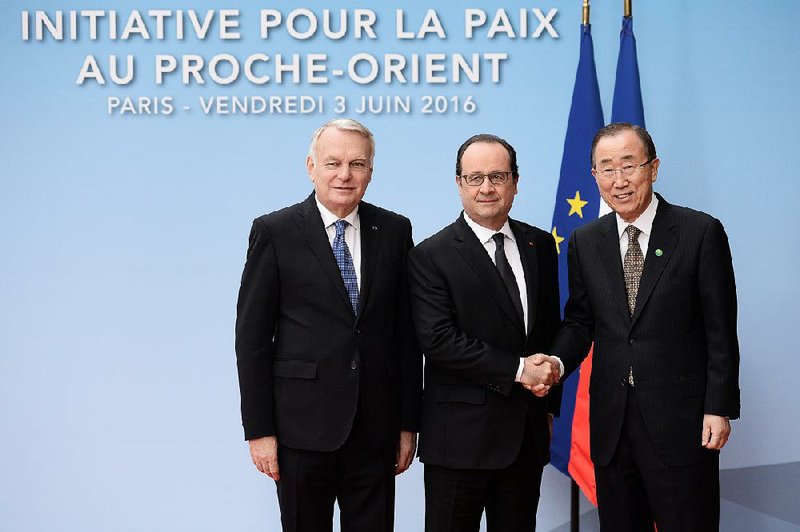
[[692, 385], [460, 394], [294, 369]]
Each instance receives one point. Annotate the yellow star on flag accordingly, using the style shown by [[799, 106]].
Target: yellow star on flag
[[558, 239], [576, 204]]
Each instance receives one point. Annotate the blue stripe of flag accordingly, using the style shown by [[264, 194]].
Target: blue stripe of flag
[[585, 118], [628, 105]]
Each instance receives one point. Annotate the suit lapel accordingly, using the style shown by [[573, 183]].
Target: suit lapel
[[607, 248], [659, 250], [370, 245], [473, 252], [530, 265], [312, 228]]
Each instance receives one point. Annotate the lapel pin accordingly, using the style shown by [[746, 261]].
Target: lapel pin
[[659, 253], [530, 243], [374, 227]]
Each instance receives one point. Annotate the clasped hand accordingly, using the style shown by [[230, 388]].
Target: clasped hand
[[539, 373]]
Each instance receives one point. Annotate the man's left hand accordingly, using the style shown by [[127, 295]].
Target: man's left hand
[[716, 430], [406, 448]]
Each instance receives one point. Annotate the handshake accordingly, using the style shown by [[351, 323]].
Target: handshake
[[539, 373]]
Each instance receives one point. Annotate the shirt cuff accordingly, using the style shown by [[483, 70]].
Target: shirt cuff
[[560, 367], [518, 378]]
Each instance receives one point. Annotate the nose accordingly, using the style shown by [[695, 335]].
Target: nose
[[345, 172], [486, 187], [620, 180]]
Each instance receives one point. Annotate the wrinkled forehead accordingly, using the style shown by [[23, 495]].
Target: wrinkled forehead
[[491, 155], [342, 143], [626, 146]]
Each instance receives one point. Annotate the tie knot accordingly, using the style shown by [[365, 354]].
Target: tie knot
[[633, 232], [499, 240], [341, 225]]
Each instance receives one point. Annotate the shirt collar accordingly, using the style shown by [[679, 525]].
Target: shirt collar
[[485, 234], [328, 218], [644, 222]]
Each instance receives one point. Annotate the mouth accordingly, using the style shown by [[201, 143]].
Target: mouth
[[623, 197]]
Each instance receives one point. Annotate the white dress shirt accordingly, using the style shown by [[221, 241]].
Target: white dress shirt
[[643, 223], [352, 234], [485, 235]]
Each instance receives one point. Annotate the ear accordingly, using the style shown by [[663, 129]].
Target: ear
[[310, 168], [655, 164], [596, 178]]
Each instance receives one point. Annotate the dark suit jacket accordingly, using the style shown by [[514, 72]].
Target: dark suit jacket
[[305, 361], [474, 413], [681, 340]]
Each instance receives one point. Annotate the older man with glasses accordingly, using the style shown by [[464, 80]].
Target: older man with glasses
[[652, 285], [485, 298]]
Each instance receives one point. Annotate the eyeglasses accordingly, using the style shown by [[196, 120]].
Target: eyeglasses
[[357, 167], [495, 178], [627, 170]]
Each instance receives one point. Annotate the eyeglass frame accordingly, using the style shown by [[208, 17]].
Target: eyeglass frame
[[355, 166], [506, 175], [633, 169]]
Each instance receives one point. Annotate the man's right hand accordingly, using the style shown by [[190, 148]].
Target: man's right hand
[[539, 373], [264, 452]]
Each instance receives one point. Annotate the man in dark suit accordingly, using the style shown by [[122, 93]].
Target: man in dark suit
[[652, 285], [330, 371], [485, 296]]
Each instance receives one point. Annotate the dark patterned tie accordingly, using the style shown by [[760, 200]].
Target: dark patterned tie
[[506, 273], [632, 266], [345, 262]]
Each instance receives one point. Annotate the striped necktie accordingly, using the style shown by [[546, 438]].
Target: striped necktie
[[345, 262]]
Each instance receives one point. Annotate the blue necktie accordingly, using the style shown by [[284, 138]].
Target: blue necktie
[[345, 262]]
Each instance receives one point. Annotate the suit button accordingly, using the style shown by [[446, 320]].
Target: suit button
[[354, 364], [632, 342], [358, 331]]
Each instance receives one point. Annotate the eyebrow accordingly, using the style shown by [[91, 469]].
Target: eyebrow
[[623, 158]]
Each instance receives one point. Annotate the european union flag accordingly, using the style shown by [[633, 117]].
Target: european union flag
[[577, 202], [627, 106]]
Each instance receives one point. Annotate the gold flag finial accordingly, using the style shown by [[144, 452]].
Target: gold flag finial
[[628, 9], [585, 12]]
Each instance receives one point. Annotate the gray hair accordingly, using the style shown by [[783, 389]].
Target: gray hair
[[614, 129], [343, 124]]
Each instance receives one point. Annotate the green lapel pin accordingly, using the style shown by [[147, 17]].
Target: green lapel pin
[[659, 253]]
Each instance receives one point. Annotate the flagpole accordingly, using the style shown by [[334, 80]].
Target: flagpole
[[628, 9], [570, 437], [574, 506], [574, 490]]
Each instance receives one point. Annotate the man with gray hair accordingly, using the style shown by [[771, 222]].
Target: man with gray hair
[[329, 366], [651, 284]]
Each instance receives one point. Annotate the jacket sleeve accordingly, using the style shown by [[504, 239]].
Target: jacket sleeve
[[411, 355], [256, 315], [717, 289], [443, 343], [550, 311], [575, 336]]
